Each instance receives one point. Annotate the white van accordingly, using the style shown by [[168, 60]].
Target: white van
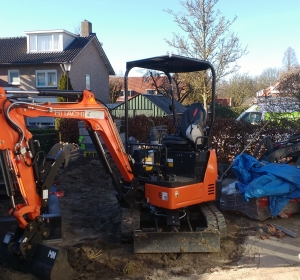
[[270, 110], [253, 115]]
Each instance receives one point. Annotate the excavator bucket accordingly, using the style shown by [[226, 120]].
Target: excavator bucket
[[46, 262]]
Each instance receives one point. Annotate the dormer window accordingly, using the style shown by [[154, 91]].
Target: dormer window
[[48, 41], [45, 43]]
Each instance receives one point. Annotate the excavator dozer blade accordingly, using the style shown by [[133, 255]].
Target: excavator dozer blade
[[47, 262], [177, 242]]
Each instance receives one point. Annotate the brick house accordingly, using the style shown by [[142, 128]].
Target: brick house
[[36, 60], [144, 85], [271, 91], [139, 85]]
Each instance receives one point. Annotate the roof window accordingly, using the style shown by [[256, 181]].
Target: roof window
[[45, 43]]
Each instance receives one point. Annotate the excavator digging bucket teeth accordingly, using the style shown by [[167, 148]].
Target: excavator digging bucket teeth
[[47, 262], [177, 242]]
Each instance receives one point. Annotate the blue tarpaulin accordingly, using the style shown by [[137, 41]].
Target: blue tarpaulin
[[280, 182]]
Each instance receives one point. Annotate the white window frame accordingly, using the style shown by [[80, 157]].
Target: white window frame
[[154, 90], [54, 45], [88, 81], [32, 43], [129, 93], [10, 81], [46, 72]]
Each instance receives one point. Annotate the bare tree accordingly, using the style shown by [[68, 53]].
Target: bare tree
[[115, 87], [158, 80], [161, 84], [221, 90], [239, 88], [180, 89], [77, 29], [208, 38], [289, 86], [289, 60], [267, 78]]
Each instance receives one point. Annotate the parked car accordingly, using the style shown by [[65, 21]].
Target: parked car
[[270, 110]]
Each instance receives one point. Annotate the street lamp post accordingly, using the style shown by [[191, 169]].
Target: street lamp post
[[67, 67]]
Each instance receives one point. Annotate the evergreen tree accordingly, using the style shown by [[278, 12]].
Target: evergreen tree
[[63, 85]]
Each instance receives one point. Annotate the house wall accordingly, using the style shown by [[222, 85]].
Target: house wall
[[27, 75], [28, 78], [3, 77], [67, 39], [90, 62], [224, 101]]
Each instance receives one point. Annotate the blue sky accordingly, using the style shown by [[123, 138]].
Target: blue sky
[[135, 29]]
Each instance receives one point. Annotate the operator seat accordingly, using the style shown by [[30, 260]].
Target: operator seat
[[192, 126]]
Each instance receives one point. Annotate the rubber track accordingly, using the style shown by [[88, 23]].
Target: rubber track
[[214, 218], [211, 219]]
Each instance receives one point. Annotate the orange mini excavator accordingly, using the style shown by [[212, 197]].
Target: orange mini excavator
[[168, 186]]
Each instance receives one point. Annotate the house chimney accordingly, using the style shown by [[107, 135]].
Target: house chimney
[[86, 28]]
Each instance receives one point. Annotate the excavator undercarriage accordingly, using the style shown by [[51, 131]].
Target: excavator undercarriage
[[201, 229]]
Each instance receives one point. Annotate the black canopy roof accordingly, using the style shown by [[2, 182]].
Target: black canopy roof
[[170, 64]]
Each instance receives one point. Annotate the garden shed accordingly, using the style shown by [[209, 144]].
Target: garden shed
[[155, 105]]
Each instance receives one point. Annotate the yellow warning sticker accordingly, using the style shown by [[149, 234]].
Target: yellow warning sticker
[[170, 162]]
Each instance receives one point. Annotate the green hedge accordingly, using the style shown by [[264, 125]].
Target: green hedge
[[228, 137], [69, 130], [47, 138], [229, 112]]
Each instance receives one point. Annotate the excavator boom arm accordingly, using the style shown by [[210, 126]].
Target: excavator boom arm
[[15, 148]]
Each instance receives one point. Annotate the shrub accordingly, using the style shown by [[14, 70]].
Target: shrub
[[229, 112], [228, 138], [139, 126], [69, 130], [46, 137]]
